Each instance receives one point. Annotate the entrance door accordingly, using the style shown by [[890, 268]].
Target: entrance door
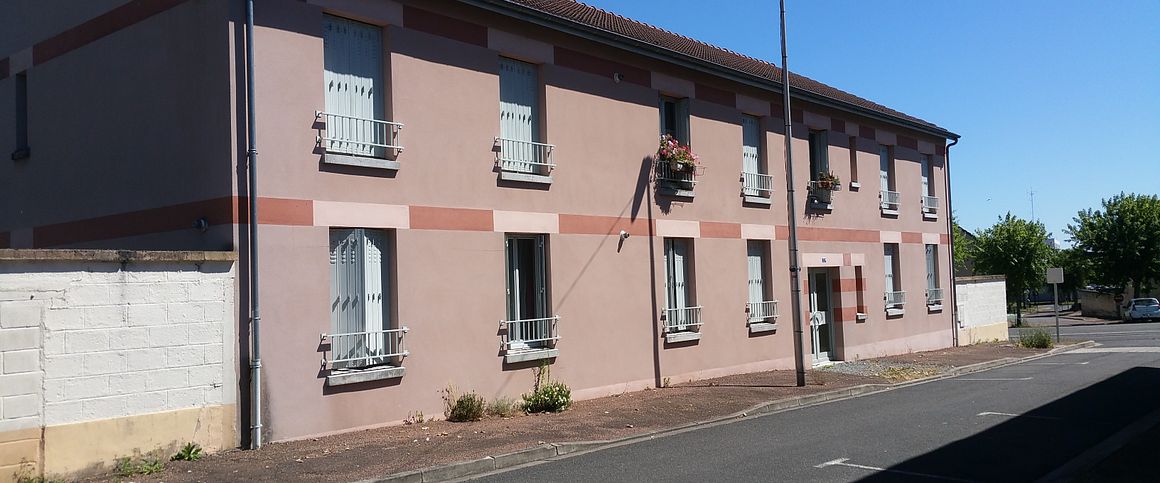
[[820, 327]]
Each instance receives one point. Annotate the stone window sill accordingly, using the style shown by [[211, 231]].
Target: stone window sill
[[360, 161], [895, 312], [758, 200], [525, 355], [525, 177], [339, 377], [686, 336], [934, 307], [760, 327]]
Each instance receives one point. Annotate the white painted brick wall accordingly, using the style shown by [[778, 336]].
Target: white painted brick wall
[[91, 340], [982, 303]]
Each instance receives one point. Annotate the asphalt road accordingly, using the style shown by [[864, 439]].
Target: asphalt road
[[1015, 423]]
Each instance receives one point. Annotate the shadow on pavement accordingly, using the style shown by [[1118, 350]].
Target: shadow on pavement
[[1037, 442]]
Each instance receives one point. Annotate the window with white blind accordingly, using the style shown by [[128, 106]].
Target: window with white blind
[[934, 295], [361, 332], [681, 313], [895, 297], [890, 198], [755, 182], [354, 120], [929, 200], [520, 143], [761, 307]]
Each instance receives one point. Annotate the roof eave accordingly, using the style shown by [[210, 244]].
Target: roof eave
[[616, 40]]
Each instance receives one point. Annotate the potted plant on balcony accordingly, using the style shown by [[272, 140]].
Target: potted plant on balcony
[[676, 162], [822, 188]]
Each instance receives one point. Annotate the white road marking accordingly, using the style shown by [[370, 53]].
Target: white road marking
[[1114, 332], [992, 413], [843, 462], [992, 379], [1098, 350], [1084, 363]]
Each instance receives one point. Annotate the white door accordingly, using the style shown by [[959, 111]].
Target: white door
[[755, 257], [750, 157], [678, 291], [519, 114], [820, 327], [353, 83]]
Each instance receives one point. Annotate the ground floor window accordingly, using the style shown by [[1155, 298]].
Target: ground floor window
[[682, 313], [761, 306], [530, 323], [360, 299]]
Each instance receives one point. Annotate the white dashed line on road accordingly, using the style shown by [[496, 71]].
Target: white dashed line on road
[[843, 462], [992, 378], [1084, 363], [1101, 350], [1029, 416]]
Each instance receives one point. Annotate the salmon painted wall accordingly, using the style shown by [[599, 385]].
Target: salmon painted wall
[[450, 282]]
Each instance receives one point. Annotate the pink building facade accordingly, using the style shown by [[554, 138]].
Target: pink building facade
[[456, 192]]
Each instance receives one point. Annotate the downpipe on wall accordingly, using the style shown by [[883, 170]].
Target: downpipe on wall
[[255, 313], [951, 251]]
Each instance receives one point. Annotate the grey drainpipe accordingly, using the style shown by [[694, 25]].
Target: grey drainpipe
[[951, 255], [794, 268], [255, 313]]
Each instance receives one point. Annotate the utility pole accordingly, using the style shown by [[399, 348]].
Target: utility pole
[[794, 268], [1032, 192]]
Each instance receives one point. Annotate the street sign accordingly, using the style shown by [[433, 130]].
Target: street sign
[[1055, 277]]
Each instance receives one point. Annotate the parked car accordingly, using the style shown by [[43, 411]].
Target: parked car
[[1143, 309]]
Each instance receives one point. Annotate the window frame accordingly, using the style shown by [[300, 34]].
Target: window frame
[[383, 241], [541, 290], [681, 118]]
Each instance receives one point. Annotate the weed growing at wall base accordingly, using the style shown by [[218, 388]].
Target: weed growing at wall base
[[1035, 339], [127, 466], [547, 396], [190, 452]]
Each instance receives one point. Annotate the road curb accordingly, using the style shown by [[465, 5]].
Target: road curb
[[548, 451]]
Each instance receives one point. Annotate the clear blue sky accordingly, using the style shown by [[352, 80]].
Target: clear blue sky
[[1061, 97]]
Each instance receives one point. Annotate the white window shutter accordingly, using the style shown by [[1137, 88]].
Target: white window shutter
[[926, 175], [884, 167], [931, 266], [353, 82], [755, 257], [888, 266]]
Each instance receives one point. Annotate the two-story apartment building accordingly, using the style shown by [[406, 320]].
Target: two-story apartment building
[[457, 191]]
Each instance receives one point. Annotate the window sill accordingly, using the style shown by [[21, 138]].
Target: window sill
[[757, 200], [760, 327], [524, 355], [860, 317], [818, 206], [929, 216], [675, 192], [360, 161], [895, 312], [673, 337], [854, 185], [934, 307], [340, 377], [889, 212], [525, 177]]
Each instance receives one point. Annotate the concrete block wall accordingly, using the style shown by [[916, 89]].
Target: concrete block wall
[[88, 338]]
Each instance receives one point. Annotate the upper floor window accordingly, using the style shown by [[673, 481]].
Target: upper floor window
[[354, 121], [819, 154], [891, 199], [929, 200], [675, 118], [754, 180], [520, 135], [20, 117]]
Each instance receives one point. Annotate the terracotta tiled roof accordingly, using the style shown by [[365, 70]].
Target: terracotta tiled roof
[[610, 22]]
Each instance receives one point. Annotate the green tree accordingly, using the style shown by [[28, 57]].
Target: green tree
[[963, 247], [1122, 240], [1077, 268], [1017, 249]]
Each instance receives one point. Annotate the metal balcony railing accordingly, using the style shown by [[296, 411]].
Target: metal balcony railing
[[529, 333], [361, 349], [524, 156], [682, 319], [929, 204], [895, 299], [756, 184], [665, 172], [934, 296], [890, 200], [357, 136], [761, 311]]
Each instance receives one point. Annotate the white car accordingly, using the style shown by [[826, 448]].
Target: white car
[[1143, 309]]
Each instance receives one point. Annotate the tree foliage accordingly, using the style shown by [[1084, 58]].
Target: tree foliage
[[1121, 241], [1017, 249], [963, 247], [1077, 268]]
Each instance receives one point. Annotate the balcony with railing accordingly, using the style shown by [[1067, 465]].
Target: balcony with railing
[[529, 339], [762, 316], [895, 302], [756, 187], [890, 202], [934, 298], [358, 141], [682, 324], [676, 180], [364, 356], [929, 207], [527, 161]]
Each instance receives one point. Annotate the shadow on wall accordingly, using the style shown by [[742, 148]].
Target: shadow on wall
[[1039, 441]]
